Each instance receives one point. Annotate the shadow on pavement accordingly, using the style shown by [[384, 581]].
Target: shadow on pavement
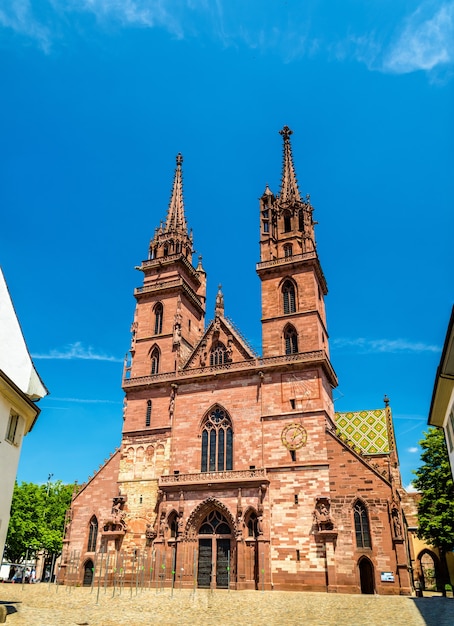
[[10, 608], [436, 611]]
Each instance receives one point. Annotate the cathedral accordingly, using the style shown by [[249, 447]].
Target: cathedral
[[234, 470]]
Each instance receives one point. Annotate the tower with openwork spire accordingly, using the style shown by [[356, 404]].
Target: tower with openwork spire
[[170, 312], [293, 284]]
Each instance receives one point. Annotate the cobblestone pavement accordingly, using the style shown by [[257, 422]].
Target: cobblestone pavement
[[44, 605]]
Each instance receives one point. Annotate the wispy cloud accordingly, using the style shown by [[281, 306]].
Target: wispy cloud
[[363, 345], [422, 40], [425, 41], [76, 351], [81, 400], [413, 450], [410, 489], [409, 417], [145, 13], [19, 16]]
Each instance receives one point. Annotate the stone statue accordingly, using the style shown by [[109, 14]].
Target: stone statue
[[322, 516], [396, 524]]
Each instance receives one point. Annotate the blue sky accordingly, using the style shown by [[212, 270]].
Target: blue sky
[[97, 98]]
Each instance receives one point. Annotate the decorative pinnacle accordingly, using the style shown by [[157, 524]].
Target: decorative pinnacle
[[176, 220], [289, 185]]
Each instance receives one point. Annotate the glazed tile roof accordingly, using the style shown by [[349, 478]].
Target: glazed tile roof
[[366, 430]]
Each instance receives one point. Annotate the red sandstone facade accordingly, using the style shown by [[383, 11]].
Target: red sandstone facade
[[231, 471]]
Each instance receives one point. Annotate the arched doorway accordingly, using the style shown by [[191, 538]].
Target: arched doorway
[[214, 556], [429, 571], [366, 575], [88, 573]]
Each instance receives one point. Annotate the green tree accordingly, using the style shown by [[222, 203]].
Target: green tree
[[37, 519], [436, 507]]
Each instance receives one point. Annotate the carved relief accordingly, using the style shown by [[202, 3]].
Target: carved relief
[[203, 353], [173, 393], [150, 535], [322, 515]]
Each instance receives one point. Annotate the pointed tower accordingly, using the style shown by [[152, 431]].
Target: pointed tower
[[293, 284], [170, 313]]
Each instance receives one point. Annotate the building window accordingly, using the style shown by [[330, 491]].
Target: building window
[[266, 226], [291, 340], [252, 526], [288, 250], [173, 525], [92, 535], [11, 433], [218, 353], [287, 222], [148, 415], [215, 523], [158, 310], [301, 220], [361, 526], [155, 361], [217, 442], [288, 293]]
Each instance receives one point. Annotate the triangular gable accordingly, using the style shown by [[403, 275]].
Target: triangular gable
[[221, 330], [365, 429], [114, 458]]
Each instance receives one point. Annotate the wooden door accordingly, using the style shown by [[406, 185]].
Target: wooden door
[[205, 560], [222, 563]]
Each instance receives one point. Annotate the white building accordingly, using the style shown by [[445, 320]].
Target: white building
[[442, 405], [20, 388]]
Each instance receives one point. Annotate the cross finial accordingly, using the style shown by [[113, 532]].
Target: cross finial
[[179, 158], [286, 132]]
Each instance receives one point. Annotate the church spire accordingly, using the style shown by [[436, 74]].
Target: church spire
[[289, 185], [172, 237], [176, 221]]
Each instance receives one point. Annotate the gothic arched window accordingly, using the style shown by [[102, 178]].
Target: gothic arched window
[[92, 534], [158, 311], [288, 294], [218, 354], [252, 526], [148, 414], [362, 530], [291, 340], [154, 358], [287, 222], [173, 525], [215, 524], [217, 442]]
